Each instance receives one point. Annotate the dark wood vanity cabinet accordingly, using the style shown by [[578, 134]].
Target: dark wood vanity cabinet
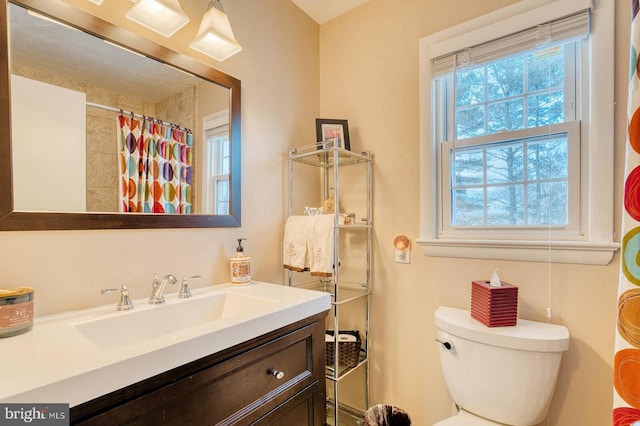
[[275, 379]]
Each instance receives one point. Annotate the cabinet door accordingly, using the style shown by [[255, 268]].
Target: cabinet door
[[303, 409], [237, 391]]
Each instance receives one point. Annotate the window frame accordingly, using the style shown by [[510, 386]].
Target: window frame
[[574, 64], [594, 243], [215, 170], [209, 193], [571, 231]]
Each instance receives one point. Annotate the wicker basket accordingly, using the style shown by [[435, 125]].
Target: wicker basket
[[348, 351]]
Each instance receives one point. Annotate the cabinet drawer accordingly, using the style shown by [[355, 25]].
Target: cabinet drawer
[[301, 410], [251, 384], [236, 390]]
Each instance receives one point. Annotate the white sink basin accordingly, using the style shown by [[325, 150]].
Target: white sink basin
[[74, 357], [117, 329]]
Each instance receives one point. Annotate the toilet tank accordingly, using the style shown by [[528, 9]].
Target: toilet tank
[[505, 374]]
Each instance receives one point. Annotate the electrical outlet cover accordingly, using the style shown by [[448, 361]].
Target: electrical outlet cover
[[403, 256]]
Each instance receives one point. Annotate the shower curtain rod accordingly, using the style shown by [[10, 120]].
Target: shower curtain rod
[[118, 110]]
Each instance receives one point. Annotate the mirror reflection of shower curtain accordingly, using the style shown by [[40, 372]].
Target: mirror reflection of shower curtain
[[155, 164]]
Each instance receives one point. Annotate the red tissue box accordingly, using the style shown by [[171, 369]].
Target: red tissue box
[[494, 306]]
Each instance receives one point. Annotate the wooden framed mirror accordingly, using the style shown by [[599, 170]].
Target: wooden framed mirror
[[153, 68]]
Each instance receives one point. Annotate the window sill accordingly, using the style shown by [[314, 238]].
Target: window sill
[[579, 252]]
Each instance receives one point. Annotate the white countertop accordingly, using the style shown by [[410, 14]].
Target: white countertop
[[55, 363]]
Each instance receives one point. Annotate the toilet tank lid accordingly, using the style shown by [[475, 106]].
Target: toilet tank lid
[[526, 335]]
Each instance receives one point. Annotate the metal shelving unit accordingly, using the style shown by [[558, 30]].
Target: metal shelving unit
[[347, 294]]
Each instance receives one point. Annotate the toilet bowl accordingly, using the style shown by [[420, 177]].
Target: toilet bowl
[[464, 418], [498, 375]]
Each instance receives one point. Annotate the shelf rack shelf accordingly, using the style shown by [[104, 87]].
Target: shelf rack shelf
[[348, 291], [350, 297]]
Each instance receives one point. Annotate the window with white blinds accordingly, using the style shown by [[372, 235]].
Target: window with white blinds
[[510, 142], [559, 31]]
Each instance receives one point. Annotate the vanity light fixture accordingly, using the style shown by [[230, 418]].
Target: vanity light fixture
[[162, 16], [98, 2], [215, 37]]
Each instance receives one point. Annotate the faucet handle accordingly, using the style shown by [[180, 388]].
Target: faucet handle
[[125, 303], [184, 292], [156, 280]]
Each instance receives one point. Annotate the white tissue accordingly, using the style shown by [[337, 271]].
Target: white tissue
[[495, 279], [341, 338], [347, 338]]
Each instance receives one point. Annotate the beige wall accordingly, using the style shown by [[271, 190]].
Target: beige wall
[[363, 67], [369, 65], [279, 71]]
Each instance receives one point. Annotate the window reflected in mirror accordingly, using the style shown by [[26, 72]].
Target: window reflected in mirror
[[217, 156]]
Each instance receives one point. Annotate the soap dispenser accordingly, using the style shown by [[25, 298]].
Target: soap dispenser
[[240, 266]]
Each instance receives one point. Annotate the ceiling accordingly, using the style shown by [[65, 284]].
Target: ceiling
[[76, 55], [41, 44], [325, 10]]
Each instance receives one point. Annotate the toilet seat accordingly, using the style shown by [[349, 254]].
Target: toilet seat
[[464, 418]]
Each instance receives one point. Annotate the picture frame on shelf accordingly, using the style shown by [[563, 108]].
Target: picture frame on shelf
[[327, 128]]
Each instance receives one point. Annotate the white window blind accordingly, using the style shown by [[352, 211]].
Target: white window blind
[[569, 28]]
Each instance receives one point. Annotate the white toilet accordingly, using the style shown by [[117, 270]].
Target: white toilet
[[498, 375]]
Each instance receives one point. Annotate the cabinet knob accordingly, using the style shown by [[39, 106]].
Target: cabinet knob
[[278, 374]]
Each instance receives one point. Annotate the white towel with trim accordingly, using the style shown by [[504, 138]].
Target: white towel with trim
[[294, 248], [308, 243], [320, 245]]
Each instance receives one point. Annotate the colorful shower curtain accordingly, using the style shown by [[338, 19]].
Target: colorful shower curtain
[[626, 404], [155, 166]]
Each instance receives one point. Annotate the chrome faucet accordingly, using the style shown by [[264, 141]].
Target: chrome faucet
[[125, 303], [185, 292], [157, 292]]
